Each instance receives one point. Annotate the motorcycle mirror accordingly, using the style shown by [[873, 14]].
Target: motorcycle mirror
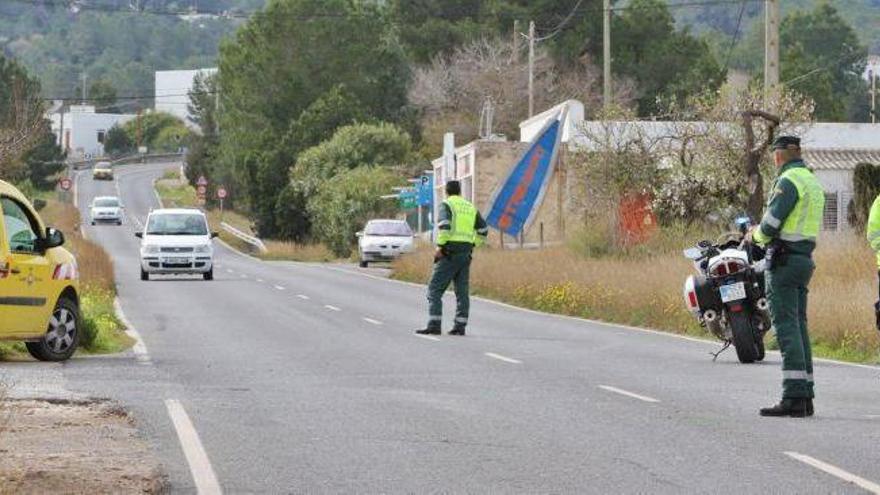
[[693, 253]]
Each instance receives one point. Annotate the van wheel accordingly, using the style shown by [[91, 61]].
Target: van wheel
[[62, 336], [209, 275], [144, 275]]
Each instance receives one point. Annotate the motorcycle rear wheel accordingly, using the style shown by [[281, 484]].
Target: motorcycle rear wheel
[[744, 341]]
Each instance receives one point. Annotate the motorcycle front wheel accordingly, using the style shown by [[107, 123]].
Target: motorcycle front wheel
[[744, 340]]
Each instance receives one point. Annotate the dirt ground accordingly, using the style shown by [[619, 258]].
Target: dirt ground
[[73, 447]]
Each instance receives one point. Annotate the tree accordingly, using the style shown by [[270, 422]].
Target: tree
[[101, 94], [278, 66], [147, 128], [21, 117], [436, 27], [117, 142], [823, 59], [45, 158], [344, 203]]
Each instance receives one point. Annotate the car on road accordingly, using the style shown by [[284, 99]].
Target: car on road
[[106, 209], [39, 288], [102, 171], [384, 240], [177, 241]]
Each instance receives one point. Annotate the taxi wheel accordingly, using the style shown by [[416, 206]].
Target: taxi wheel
[[62, 337]]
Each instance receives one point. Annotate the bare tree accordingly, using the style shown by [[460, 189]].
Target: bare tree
[[754, 155], [451, 91], [20, 125]]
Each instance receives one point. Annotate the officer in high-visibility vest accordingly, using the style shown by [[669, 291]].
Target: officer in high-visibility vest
[[460, 227], [789, 230], [873, 233]]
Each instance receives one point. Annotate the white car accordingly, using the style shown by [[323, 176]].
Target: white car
[[106, 209], [177, 241], [384, 240]]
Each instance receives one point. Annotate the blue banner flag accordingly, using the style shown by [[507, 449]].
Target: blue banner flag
[[519, 196]]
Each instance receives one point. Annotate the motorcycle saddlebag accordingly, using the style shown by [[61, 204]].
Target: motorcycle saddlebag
[[707, 295]]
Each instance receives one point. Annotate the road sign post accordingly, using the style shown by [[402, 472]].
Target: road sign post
[[221, 195], [65, 184]]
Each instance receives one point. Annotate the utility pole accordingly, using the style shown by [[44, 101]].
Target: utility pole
[[216, 106], [873, 96], [771, 48], [531, 68], [606, 53], [84, 89]]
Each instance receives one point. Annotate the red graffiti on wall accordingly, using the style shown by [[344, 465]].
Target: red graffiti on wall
[[522, 188]]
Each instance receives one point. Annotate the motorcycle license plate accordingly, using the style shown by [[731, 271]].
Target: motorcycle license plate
[[733, 292]]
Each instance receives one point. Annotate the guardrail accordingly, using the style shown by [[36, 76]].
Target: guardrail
[[147, 158], [253, 241]]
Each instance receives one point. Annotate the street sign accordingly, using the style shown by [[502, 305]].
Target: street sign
[[202, 181], [201, 190], [221, 192], [425, 190], [65, 184], [408, 199]]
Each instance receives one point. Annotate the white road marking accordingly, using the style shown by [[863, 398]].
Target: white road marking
[[158, 198], [243, 275], [260, 280], [229, 270], [139, 348], [303, 297], [628, 394], [279, 287], [427, 337], [199, 465], [835, 471], [332, 308], [503, 358], [374, 322]]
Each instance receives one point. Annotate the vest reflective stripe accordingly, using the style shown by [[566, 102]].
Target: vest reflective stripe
[[464, 216], [805, 220]]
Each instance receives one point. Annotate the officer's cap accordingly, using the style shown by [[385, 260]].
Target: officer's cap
[[786, 142]]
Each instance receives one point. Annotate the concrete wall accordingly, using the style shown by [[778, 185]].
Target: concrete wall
[[81, 131]]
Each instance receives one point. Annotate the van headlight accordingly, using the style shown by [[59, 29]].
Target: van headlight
[[204, 248], [150, 249]]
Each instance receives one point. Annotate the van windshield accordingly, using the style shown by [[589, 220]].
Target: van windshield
[[106, 203], [177, 224]]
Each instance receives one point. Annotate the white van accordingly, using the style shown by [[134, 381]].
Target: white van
[[177, 241]]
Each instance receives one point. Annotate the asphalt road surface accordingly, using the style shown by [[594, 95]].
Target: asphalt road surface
[[301, 378]]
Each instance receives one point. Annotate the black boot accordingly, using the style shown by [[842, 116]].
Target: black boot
[[457, 331], [429, 331], [810, 409], [795, 408]]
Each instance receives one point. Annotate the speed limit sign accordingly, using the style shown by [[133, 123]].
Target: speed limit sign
[[221, 192], [65, 184]]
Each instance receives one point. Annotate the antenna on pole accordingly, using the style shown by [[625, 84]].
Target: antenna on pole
[[487, 117]]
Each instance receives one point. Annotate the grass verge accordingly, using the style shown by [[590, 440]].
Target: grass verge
[[176, 193], [644, 289], [101, 330]]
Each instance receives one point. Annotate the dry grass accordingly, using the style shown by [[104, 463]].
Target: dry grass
[[645, 290], [280, 250], [95, 266]]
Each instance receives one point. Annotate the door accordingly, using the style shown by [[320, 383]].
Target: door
[[26, 274]]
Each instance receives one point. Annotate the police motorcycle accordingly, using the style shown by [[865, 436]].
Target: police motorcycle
[[728, 295]]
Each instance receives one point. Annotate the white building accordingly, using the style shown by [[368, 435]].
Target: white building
[[80, 131], [172, 91]]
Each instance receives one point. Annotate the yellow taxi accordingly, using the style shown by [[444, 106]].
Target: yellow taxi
[[102, 171], [39, 288]]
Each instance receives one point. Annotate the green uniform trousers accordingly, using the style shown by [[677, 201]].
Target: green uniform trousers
[[787, 294], [454, 267]]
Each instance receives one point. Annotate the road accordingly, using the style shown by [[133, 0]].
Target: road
[[302, 378]]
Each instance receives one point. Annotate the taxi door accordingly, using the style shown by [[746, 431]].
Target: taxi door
[[25, 273]]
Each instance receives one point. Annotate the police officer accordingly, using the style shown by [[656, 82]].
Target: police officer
[[873, 233], [789, 230], [460, 227]]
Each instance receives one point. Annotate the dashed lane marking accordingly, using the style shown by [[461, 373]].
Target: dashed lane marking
[[627, 393], [332, 308], [260, 280], [427, 337], [503, 358], [303, 297], [279, 287], [835, 471], [199, 465], [372, 321]]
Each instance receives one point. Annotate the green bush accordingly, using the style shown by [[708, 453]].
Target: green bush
[[344, 203], [98, 323], [117, 142]]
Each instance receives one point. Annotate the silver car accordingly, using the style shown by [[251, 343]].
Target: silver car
[[106, 209]]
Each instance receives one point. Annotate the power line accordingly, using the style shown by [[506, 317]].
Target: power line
[[742, 11], [131, 97]]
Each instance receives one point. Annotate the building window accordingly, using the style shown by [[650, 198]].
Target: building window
[[101, 136], [830, 216]]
